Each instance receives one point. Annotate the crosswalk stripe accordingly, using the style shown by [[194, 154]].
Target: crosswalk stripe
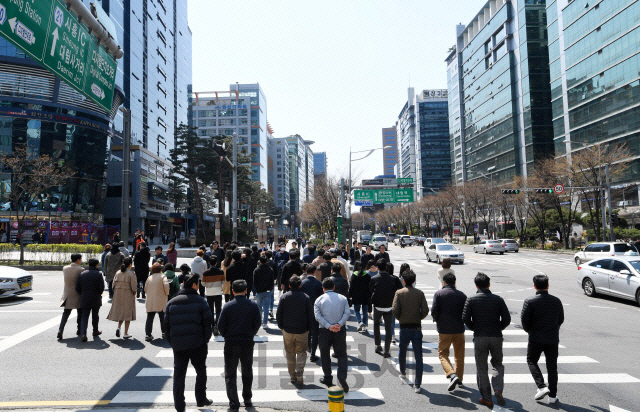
[[219, 353], [271, 371], [470, 379], [469, 345], [270, 338], [261, 395], [470, 360], [467, 333]]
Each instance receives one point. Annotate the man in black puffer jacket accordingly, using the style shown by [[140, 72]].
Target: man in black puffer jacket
[[187, 321], [383, 289], [487, 315], [141, 266], [542, 316], [291, 268], [236, 271], [342, 286]]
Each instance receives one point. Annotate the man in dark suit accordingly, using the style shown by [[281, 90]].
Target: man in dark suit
[[90, 286], [313, 288]]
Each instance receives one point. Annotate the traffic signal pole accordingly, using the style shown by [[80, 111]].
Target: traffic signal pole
[[126, 174]]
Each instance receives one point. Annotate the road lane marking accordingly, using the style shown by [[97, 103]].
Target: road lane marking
[[270, 338], [470, 379], [31, 332], [219, 353], [516, 300], [470, 360], [601, 307], [31, 311], [52, 403]]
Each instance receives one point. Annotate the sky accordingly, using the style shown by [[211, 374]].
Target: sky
[[335, 72]]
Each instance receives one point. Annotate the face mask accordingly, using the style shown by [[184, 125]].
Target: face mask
[[282, 249]]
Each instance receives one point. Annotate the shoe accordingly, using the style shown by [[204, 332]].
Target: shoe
[[97, 333], [233, 408], [118, 333], [314, 358], [300, 381], [248, 404], [137, 294], [270, 315], [59, 335], [379, 350], [499, 398], [394, 341], [416, 389], [84, 338], [164, 336], [453, 382], [326, 381], [488, 404], [126, 336], [542, 392], [148, 338], [387, 355], [344, 385], [360, 326], [206, 402], [78, 332], [265, 326], [553, 400], [144, 296], [216, 332]]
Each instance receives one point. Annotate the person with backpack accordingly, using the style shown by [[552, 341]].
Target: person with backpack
[[360, 295], [174, 282]]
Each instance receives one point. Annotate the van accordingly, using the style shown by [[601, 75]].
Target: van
[[363, 236]]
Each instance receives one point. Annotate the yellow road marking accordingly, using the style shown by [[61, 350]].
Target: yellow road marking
[[53, 403]]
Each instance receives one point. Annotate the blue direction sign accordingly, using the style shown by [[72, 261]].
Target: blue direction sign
[[364, 202]]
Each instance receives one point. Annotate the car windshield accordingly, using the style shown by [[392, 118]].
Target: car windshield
[[509, 241], [438, 240], [381, 239], [494, 241], [446, 247], [623, 247], [366, 237]]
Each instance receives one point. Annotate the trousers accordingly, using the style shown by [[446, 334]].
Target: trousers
[[263, 299], [65, 317], [534, 350], [388, 328], [365, 316], [312, 339], [234, 353], [198, 358], [483, 346], [415, 337], [445, 340], [148, 328], [295, 347], [215, 302], [338, 340], [95, 318]]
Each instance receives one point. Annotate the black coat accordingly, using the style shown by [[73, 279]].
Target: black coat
[[187, 321], [295, 312], [313, 288], [249, 266], [289, 269], [365, 259], [239, 320], [486, 314], [263, 278], [141, 264], [90, 286], [256, 257], [359, 288], [219, 253], [446, 310], [324, 269], [383, 287], [384, 256], [541, 318], [342, 286], [236, 271]]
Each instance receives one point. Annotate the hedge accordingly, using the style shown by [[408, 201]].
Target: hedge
[[52, 254]]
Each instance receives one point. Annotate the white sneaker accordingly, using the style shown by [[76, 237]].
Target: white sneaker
[[126, 336], [553, 400], [416, 389], [360, 326], [264, 326], [542, 392]]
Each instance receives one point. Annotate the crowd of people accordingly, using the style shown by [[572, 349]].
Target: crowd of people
[[318, 286]]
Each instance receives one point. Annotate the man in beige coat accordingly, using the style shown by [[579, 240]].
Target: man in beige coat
[[70, 298]]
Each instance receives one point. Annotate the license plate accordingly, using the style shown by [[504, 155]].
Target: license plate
[[25, 285]]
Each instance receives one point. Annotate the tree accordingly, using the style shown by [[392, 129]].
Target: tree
[[325, 208], [30, 177]]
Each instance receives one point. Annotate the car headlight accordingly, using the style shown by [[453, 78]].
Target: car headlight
[[6, 280]]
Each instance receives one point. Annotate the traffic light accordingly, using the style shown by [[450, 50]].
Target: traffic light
[[544, 190], [243, 215], [510, 191]]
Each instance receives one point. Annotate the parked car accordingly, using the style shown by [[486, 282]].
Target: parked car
[[14, 281], [440, 251], [617, 276], [379, 240], [489, 246], [602, 249], [510, 245], [407, 240]]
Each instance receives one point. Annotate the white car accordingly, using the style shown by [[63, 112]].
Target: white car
[[489, 246], [14, 282], [601, 249], [617, 276], [379, 240], [440, 251], [407, 240]]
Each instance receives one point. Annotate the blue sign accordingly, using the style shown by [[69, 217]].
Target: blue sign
[[364, 202]]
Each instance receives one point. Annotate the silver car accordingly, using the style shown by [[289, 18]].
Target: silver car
[[379, 240], [440, 251], [617, 276], [510, 245], [14, 281], [489, 246]]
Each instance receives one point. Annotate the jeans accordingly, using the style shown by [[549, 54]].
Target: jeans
[[141, 288], [388, 328], [198, 358], [365, 315], [295, 347], [110, 288], [234, 352], [313, 337], [149, 325], [534, 350], [263, 299], [482, 347], [65, 318], [415, 337], [338, 340], [215, 302], [445, 340], [273, 300], [85, 319]]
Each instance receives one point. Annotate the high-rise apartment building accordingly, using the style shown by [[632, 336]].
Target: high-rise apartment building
[[300, 172], [390, 154], [279, 154], [499, 101], [320, 164]]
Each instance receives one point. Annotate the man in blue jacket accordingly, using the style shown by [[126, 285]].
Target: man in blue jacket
[[238, 324], [187, 322]]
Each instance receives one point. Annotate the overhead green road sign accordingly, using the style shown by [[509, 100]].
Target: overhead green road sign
[[404, 180], [385, 195], [51, 35]]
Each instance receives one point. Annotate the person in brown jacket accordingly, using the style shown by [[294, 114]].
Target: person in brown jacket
[[410, 307], [70, 298], [157, 289], [123, 307]]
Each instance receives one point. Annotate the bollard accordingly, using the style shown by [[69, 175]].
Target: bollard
[[336, 399]]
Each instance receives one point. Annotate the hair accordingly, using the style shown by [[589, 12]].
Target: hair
[[254, 248], [369, 247], [370, 263], [404, 267], [239, 285], [227, 258], [294, 254], [295, 282], [446, 263], [107, 247], [75, 257], [449, 279], [262, 241], [389, 268], [184, 268], [93, 262], [213, 260], [409, 277], [156, 268], [121, 244], [327, 257], [304, 267], [143, 244], [172, 246], [268, 254], [336, 267], [263, 259], [357, 266], [169, 266], [482, 281], [294, 244], [321, 252], [328, 284], [236, 255], [383, 246], [312, 249], [203, 248], [247, 251], [381, 263], [215, 242], [541, 282], [159, 248], [190, 280], [334, 255], [200, 252], [311, 268], [128, 261]]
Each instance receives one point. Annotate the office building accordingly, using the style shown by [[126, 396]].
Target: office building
[[406, 135], [320, 164], [390, 154], [300, 172], [279, 155], [595, 86], [499, 101]]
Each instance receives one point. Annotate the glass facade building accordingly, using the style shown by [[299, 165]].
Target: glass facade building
[[301, 183], [320, 163], [390, 155], [279, 154], [498, 95]]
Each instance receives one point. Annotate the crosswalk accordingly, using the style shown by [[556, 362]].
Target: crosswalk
[[367, 374]]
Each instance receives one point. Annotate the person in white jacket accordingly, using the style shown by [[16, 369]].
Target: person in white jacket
[[199, 265], [212, 280]]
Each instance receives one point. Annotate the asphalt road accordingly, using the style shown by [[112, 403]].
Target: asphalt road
[[599, 364]]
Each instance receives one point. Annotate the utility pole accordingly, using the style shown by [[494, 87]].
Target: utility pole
[[126, 174], [235, 188]]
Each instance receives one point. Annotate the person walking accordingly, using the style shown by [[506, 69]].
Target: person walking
[[487, 316], [123, 307], [291, 268], [295, 319], [383, 289], [263, 278], [319, 259], [239, 322], [160, 256], [311, 255], [367, 256], [172, 254], [198, 266], [105, 252], [446, 310], [116, 238], [172, 278], [157, 288], [70, 299], [123, 250], [312, 287], [217, 251], [141, 266], [332, 312], [90, 286], [187, 326], [410, 307], [382, 255], [236, 270], [446, 268], [112, 263], [340, 283], [541, 316], [325, 267], [226, 286], [360, 295], [213, 280]]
